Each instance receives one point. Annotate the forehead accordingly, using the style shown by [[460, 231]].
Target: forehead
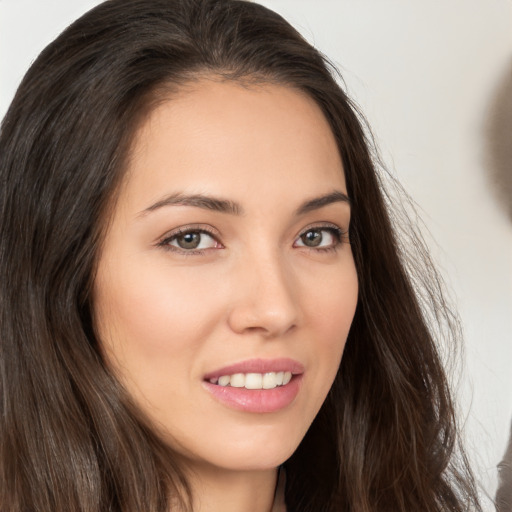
[[228, 137]]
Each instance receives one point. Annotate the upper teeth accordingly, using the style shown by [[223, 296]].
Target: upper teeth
[[254, 380]]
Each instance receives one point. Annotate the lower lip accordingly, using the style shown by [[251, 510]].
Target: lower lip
[[256, 400]]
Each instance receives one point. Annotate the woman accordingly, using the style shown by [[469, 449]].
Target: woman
[[193, 236]]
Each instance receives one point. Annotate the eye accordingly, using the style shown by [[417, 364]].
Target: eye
[[190, 240], [320, 238]]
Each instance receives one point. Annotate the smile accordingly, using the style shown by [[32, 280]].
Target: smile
[[256, 385], [268, 380]]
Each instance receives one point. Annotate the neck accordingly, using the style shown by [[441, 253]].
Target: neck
[[215, 490]]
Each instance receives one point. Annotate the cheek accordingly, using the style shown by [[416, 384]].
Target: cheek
[[151, 320], [331, 311], [331, 299]]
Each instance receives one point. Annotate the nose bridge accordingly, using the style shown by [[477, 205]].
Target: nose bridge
[[266, 299]]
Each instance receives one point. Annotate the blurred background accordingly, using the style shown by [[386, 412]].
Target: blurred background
[[434, 80]]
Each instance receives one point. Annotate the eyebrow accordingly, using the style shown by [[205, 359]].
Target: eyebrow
[[231, 207], [319, 202], [199, 201]]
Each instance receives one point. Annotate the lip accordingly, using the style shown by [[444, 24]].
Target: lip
[[258, 366], [257, 400]]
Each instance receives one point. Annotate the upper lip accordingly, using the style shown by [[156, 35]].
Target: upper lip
[[258, 366]]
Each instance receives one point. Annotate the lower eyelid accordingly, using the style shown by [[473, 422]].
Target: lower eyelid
[[337, 233]]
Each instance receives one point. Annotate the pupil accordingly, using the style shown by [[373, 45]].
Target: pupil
[[312, 238], [189, 240]]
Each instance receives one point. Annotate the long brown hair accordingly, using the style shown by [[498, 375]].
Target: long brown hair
[[70, 439]]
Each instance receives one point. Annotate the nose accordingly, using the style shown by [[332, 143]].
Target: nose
[[265, 298]]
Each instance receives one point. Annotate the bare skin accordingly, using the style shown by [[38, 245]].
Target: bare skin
[[229, 248]]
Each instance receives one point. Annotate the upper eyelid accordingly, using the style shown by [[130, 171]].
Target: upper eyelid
[[323, 225], [191, 228]]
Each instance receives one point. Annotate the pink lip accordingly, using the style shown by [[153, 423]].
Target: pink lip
[[258, 366], [257, 400]]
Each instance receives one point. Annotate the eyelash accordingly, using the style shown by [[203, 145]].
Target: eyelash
[[339, 235], [166, 241]]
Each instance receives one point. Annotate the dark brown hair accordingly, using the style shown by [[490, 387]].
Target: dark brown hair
[[70, 439]]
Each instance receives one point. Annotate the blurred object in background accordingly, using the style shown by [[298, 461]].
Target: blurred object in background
[[499, 142], [504, 493]]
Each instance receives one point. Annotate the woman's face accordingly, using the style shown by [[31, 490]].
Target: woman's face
[[226, 272]]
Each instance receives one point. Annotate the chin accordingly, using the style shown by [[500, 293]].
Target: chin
[[260, 448]]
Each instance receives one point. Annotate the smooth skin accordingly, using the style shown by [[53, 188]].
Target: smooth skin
[[187, 285]]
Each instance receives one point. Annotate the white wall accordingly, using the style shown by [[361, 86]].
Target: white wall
[[426, 74]]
